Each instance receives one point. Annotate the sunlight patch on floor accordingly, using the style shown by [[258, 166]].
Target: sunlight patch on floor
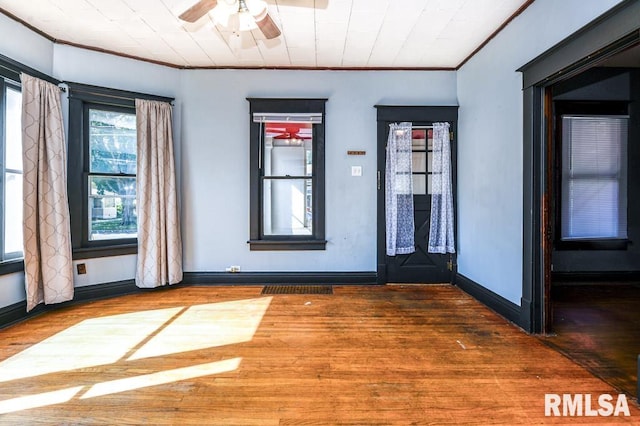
[[38, 400], [108, 341], [207, 326], [162, 377], [97, 341]]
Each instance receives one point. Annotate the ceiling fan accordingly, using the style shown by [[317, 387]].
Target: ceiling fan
[[249, 11]]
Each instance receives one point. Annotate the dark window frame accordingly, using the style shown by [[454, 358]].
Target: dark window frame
[[82, 97], [12, 263], [257, 240], [562, 108]]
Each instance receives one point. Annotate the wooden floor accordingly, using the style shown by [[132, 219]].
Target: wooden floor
[[598, 326], [231, 356]]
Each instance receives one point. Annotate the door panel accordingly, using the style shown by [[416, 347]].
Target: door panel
[[420, 266]]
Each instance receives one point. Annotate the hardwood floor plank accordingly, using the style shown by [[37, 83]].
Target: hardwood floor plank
[[230, 356]]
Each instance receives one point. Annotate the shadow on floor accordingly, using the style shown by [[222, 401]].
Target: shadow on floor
[[598, 326]]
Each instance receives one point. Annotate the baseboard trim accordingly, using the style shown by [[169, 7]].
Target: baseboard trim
[[494, 301], [246, 278], [101, 291]]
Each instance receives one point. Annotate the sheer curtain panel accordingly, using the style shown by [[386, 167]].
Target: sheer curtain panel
[[399, 191], [159, 240], [46, 228], [441, 239]]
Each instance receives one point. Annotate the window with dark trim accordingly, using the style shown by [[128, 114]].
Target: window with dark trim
[[102, 170], [10, 171], [287, 165], [592, 178]]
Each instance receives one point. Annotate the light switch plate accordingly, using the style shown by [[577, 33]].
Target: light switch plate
[[356, 170]]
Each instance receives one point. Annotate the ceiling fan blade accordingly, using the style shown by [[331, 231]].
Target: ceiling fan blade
[[198, 10], [268, 26]]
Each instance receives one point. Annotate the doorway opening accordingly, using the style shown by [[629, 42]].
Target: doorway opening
[[580, 284]]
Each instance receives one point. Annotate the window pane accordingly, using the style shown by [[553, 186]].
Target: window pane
[[288, 149], [419, 184], [13, 214], [14, 130], [419, 139], [593, 210], [287, 207], [594, 177], [112, 142], [419, 160], [112, 208]]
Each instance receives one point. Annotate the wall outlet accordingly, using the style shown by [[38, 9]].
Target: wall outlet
[[82, 268]]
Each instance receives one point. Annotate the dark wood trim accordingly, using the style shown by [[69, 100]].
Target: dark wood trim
[[100, 291], [246, 278], [104, 251], [610, 33], [17, 312], [548, 207], [257, 239], [496, 32], [532, 301], [108, 96], [11, 266], [272, 245], [497, 303]]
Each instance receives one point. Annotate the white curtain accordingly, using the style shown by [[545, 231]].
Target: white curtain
[[46, 227], [399, 191], [441, 227], [159, 240]]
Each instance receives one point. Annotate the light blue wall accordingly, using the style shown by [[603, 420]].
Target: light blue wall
[[215, 153], [491, 137]]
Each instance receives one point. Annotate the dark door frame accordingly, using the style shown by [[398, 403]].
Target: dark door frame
[[387, 114], [609, 34]]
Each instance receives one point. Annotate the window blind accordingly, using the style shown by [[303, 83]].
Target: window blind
[[594, 177]]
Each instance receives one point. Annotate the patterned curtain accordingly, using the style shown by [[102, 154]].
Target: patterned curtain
[[48, 264], [441, 227], [399, 191], [159, 240]]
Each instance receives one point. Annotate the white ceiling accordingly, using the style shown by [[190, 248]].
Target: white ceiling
[[315, 33]]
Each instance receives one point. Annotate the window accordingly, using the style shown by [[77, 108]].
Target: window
[[102, 170], [287, 174], [111, 178], [11, 169], [422, 159], [594, 177]]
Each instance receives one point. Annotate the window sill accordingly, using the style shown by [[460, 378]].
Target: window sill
[[11, 266], [267, 245], [104, 251], [599, 244]]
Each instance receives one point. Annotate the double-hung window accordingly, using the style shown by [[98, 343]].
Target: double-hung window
[[287, 174], [594, 177], [111, 173], [11, 170], [102, 171]]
